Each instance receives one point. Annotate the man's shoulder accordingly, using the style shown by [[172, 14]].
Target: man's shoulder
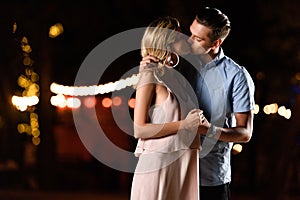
[[230, 65], [230, 62]]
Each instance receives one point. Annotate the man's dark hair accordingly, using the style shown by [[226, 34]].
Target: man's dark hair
[[215, 20]]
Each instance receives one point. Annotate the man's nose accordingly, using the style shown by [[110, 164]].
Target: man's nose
[[190, 40]]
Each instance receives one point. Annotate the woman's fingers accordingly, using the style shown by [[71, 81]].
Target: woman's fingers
[[148, 61]]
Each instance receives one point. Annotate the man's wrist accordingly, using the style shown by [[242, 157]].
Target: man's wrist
[[213, 131]]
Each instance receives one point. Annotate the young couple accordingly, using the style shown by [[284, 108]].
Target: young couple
[[174, 118]]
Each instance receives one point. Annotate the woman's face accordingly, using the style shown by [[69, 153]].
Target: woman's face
[[180, 45]]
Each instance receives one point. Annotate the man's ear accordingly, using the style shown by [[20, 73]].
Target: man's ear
[[217, 43]]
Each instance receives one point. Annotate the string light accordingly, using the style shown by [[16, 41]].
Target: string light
[[61, 90], [73, 102], [94, 89]]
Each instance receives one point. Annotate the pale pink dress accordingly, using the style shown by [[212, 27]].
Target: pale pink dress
[[168, 167]]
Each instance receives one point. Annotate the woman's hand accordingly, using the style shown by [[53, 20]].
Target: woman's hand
[[148, 61], [192, 120]]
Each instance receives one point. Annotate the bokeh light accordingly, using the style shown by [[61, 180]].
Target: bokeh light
[[106, 102]]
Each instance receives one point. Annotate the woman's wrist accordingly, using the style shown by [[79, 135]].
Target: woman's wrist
[[184, 124]]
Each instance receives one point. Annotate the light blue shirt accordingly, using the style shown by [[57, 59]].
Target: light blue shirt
[[222, 88]]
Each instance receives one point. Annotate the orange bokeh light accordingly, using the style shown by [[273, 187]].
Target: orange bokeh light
[[106, 102], [131, 102], [89, 102], [117, 101]]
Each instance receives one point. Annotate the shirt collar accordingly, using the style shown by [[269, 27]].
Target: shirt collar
[[216, 60]]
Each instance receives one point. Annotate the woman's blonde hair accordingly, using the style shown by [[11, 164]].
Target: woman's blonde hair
[[158, 36]]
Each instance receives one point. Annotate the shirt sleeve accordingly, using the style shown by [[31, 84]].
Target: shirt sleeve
[[243, 92]]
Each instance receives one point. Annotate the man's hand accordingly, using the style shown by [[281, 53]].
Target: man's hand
[[204, 124]]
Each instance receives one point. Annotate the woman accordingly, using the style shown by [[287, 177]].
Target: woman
[[165, 120]]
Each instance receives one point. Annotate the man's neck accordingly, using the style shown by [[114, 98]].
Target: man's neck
[[211, 55]]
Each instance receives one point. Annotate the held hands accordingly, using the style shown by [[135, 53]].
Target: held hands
[[204, 124], [192, 120], [195, 120]]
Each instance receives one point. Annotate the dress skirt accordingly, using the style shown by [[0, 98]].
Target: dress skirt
[[167, 176]]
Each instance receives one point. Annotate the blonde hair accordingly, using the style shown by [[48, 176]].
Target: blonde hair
[[158, 36]]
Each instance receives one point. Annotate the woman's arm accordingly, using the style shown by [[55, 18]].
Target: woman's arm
[[143, 129]]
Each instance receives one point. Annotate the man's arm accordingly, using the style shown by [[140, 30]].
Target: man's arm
[[242, 133]]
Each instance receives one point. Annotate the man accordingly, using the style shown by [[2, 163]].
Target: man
[[225, 92]]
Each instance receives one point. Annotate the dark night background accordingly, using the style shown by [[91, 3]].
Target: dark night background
[[264, 39]]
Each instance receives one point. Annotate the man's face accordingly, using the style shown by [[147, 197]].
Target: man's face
[[199, 41]]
